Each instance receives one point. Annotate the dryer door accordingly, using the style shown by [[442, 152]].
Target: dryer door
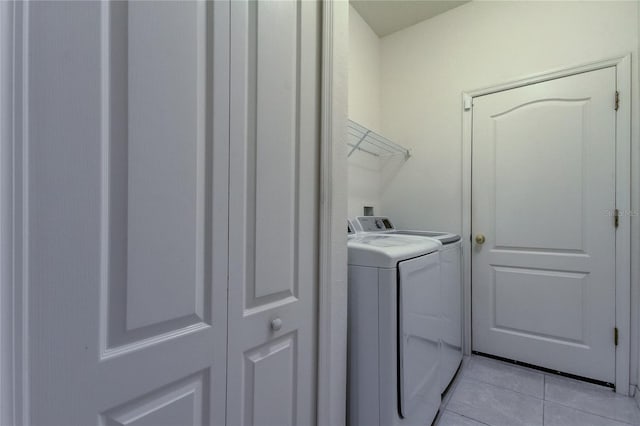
[[451, 312], [419, 330]]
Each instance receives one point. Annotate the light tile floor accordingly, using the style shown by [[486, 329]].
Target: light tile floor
[[495, 393]]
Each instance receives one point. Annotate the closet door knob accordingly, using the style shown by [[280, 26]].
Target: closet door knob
[[276, 324], [480, 239]]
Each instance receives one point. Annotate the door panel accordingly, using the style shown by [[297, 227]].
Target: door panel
[[274, 38], [167, 163], [182, 403], [543, 182], [126, 171], [157, 156], [561, 293], [273, 200], [528, 179], [266, 366]]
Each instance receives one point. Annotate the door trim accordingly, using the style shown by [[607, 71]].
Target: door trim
[[14, 379], [6, 218], [623, 200], [332, 292]]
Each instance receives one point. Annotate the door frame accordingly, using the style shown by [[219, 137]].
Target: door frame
[[623, 200], [6, 141], [332, 292], [13, 140]]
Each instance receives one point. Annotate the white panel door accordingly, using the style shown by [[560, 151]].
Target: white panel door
[[273, 203], [125, 167], [543, 193]]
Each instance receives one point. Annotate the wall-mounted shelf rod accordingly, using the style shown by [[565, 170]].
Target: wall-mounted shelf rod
[[366, 140], [354, 147]]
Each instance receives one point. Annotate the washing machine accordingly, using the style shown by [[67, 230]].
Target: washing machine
[[450, 291], [394, 330]]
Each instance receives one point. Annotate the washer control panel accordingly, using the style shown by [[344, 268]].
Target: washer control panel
[[375, 223]]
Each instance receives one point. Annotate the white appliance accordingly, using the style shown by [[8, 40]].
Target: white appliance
[[394, 330], [450, 291], [351, 229]]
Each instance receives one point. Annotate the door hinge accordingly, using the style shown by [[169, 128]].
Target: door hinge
[[617, 102], [616, 218], [468, 103], [615, 336]]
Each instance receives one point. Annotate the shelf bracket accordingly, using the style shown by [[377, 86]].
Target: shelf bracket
[[358, 144]]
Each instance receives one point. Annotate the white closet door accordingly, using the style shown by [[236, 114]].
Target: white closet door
[[124, 163], [273, 209]]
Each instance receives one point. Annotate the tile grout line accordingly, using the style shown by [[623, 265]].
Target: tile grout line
[[543, 400], [503, 388], [544, 380], [544, 374], [494, 386], [581, 410], [516, 368], [470, 418], [585, 384], [466, 416], [624, 422]]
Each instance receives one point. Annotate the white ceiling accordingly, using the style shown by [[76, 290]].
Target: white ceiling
[[388, 16]]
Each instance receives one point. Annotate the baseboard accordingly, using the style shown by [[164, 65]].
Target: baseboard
[[636, 395]]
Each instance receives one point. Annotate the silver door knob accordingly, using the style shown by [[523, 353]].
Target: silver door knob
[[276, 324], [480, 239]]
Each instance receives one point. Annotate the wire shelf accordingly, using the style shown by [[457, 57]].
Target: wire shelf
[[366, 140]]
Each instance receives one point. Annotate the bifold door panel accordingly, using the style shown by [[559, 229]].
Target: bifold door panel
[[273, 201], [133, 216], [125, 166]]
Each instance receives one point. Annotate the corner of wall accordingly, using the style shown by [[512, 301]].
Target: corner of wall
[[364, 108]]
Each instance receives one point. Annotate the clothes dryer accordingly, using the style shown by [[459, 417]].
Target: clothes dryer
[[394, 330], [450, 290]]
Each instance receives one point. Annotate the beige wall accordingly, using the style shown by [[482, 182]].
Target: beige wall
[[364, 108], [364, 72], [426, 67]]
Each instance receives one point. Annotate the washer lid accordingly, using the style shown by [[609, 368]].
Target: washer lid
[[383, 224], [386, 250], [444, 237]]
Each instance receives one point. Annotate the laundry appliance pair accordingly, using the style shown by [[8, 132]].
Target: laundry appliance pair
[[405, 321]]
